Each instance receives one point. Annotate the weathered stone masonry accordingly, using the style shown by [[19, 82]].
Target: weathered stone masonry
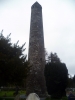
[[36, 56]]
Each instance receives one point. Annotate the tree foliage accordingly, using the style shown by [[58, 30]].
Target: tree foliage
[[74, 78], [56, 75], [71, 81], [53, 58], [13, 64]]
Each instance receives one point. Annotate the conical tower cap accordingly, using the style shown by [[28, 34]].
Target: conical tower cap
[[36, 5]]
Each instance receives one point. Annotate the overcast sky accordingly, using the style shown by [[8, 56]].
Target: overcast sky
[[58, 24]]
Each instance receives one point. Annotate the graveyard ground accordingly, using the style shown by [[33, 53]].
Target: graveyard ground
[[10, 93]]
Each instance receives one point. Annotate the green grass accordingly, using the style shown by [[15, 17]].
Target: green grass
[[22, 92], [9, 93]]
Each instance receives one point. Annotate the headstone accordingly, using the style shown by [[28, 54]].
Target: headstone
[[17, 97], [23, 96], [33, 96]]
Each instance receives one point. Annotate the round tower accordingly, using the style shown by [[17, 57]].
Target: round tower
[[36, 56]]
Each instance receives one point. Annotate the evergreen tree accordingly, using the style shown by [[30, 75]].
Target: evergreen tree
[[56, 75], [13, 64]]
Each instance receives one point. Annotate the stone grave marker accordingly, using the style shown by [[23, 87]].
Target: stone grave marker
[[17, 97], [33, 96]]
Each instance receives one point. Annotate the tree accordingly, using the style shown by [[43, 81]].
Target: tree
[[70, 82], [53, 58], [56, 75], [74, 78], [13, 64], [73, 82]]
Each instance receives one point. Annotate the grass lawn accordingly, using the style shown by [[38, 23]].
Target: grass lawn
[[9, 93]]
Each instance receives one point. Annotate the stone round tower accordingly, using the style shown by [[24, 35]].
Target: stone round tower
[[36, 56]]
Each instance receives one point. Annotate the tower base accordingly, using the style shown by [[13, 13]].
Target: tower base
[[35, 84]]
